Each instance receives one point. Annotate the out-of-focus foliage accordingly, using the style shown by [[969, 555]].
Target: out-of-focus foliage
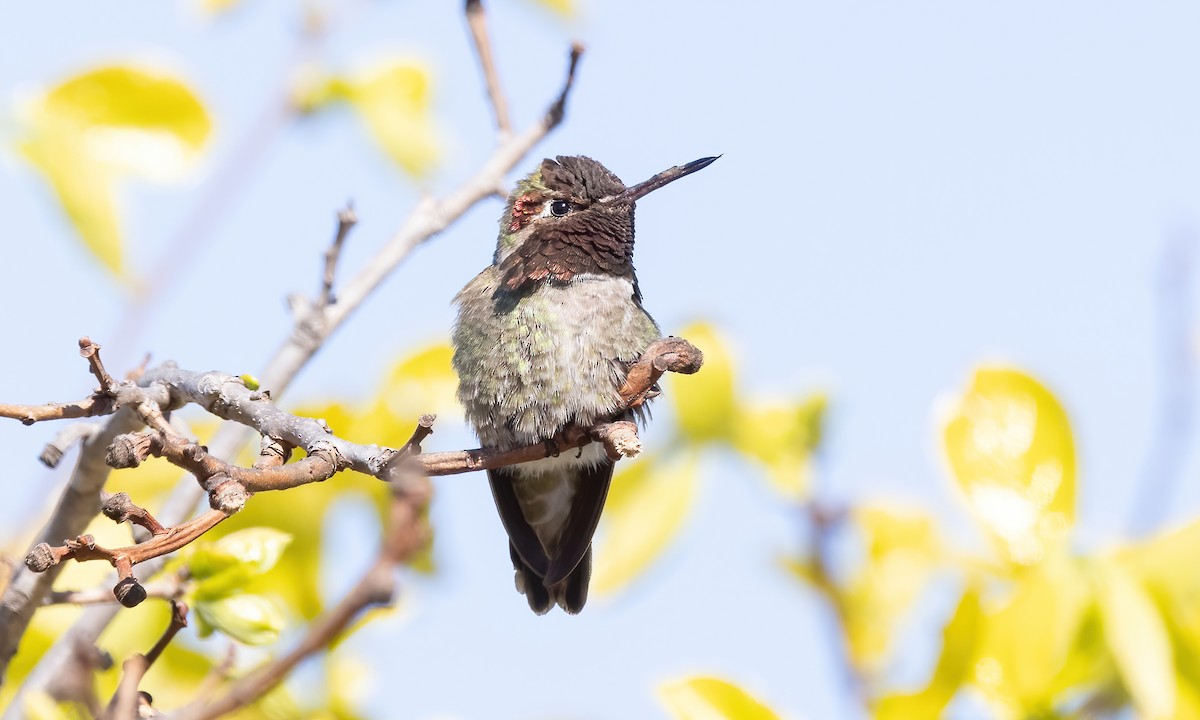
[[256, 574], [221, 569], [711, 698], [88, 131], [1038, 630], [652, 496], [392, 97], [1009, 446], [645, 509]]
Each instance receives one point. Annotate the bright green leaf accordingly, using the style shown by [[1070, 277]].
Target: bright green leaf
[[247, 618], [1009, 444], [225, 567], [711, 698], [1137, 636], [258, 547], [89, 130], [646, 507], [704, 403]]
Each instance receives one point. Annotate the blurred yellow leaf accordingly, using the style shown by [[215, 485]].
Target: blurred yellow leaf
[[1027, 641], [1137, 636], [1165, 561], [392, 98], [564, 8], [711, 698], [783, 437], [704, 403], [247, 618], [87, 131], [1009, 444], [40, 706], [901, 548], [1187, 701], [218, 6], [646, 507], [953, 668]]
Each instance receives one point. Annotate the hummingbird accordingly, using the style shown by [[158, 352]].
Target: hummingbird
[[544, 339]]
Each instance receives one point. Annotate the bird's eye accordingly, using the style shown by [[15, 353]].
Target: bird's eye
[[558, 208]]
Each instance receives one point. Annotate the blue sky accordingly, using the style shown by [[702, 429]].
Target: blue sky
[[906, 190]]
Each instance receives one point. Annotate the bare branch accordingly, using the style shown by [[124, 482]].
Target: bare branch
[[125, 700], [90, 406], [119, 508], [346, 221], [128, 590], [477, 22], [52, 453], [91, 351]]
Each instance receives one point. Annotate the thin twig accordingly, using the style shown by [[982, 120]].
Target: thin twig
[[477, 22], [346, 221], [91, 406], [91, 351], [125, 700]]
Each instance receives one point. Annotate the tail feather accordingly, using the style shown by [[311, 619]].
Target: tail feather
[[529, 583], [560, 578], [570, 594]]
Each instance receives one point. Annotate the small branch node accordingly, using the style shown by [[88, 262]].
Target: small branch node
[[130, 449], [272, 453], [129, 592], [119, 508], [225, 494], [91, 352], [620, 439], [43, 557]]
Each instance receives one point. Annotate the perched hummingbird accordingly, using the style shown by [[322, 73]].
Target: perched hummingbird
[[544, 339]]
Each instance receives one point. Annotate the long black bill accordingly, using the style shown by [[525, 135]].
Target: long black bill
[[664, 177]]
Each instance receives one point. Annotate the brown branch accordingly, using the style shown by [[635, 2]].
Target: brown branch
[[346, 221], [477, 22], [670, 354], [125, 700], [91, 352], [119, 508], [91, 406], [128, 591]]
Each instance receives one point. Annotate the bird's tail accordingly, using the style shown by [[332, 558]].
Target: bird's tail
[[570, 594]]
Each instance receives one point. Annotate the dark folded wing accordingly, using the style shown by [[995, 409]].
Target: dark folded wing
[[524, 540], [591, 488]]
